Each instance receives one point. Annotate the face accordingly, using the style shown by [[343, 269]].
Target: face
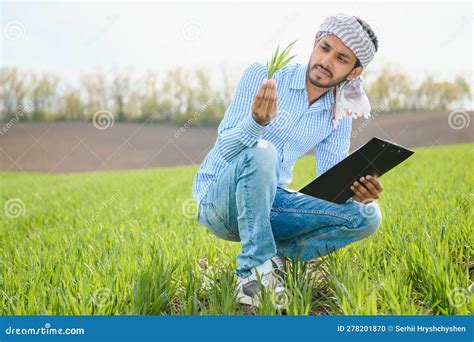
[[331, 63]]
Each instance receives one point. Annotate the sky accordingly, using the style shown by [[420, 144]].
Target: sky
[[424, 38]]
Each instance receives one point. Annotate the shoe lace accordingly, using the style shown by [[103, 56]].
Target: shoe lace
[[272, 279], [278, 261]]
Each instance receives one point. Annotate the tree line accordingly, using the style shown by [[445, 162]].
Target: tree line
[[177, 95]]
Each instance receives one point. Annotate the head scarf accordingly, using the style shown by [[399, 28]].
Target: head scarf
[[350, 98]]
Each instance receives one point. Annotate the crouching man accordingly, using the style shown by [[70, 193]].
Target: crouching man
[[240, 186]]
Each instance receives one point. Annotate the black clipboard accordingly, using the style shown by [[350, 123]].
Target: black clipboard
[[374, 158]]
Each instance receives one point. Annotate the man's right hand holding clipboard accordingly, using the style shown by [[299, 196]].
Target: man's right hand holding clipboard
[[366, 189], [357, 175]]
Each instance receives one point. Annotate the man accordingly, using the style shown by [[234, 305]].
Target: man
[[240, 184]]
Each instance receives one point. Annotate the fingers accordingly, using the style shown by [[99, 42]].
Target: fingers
[[259, 101], [265, 103], [270, 98], [361, 192], [367, 189], [261, 92], [257, 104], [376, 183], [374, 193]]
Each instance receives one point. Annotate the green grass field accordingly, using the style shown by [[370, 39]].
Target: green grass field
[[127, 242]]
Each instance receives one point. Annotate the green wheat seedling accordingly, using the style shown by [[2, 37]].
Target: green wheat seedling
[[279, 60], [144, 253]]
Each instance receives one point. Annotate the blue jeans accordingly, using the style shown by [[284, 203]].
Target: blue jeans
[[245, 204]]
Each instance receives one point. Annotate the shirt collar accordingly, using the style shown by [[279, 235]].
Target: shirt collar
[[299, 77]]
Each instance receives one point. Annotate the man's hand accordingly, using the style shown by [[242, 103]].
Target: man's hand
[[264, 107], [367, 189]]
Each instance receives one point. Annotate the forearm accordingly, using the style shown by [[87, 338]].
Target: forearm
[[233, 140]]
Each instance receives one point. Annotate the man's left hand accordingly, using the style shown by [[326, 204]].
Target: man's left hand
[[367, 189]]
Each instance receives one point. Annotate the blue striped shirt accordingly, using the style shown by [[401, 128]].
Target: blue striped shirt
[[296, 129]]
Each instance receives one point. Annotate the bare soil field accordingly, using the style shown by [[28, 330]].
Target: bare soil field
[[79, 146]]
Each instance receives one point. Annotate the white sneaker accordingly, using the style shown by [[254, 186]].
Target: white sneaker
[[279, 265], [249, 289]]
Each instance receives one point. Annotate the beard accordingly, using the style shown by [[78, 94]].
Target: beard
[[316, 80]]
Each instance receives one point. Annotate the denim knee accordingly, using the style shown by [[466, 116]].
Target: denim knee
[[371, 217], [264, 154]]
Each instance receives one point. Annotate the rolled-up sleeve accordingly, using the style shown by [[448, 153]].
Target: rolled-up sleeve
[[335, 147], [238, 129]]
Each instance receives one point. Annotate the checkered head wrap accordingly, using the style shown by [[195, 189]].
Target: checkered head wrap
[[350, 98], [351, 33]]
